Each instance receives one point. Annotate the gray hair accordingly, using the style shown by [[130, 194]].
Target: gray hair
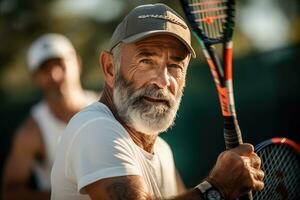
[[116, 52]]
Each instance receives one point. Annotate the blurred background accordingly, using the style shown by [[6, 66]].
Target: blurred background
[[266, 71]]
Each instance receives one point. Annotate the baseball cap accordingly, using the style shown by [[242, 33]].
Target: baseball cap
[[51, 45], [149, 20]]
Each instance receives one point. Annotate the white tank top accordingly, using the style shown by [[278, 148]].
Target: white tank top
[[51, 130]]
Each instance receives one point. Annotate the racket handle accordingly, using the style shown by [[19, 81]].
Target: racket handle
[[232, 133], [233, 138]]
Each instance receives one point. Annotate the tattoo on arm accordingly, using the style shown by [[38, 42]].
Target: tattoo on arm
[[118, 191], [124, 190]]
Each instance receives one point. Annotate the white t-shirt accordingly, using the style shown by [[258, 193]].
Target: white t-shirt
[[96, 146]]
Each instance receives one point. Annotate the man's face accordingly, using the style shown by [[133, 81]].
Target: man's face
[[149, 83], [56, 73]]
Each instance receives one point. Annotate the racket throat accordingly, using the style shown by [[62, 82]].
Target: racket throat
[[219, 72]]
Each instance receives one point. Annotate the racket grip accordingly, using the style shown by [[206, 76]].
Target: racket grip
[[233, 138], [232, 133]]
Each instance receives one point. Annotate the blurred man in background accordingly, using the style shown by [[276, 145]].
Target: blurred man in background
[[55, 69]]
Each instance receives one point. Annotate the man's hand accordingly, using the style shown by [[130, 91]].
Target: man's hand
[[237, 171]]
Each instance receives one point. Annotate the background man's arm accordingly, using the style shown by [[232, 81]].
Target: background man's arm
[[26, 145]]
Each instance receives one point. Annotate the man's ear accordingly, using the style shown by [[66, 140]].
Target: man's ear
[[107, 63]]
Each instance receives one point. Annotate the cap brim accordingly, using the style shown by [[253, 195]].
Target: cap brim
[[44, 56], [140, 36]]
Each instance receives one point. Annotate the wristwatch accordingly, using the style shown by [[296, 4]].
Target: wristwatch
[[208, 191]]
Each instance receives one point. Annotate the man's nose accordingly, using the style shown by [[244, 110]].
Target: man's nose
[[56, 72], [162, 79]]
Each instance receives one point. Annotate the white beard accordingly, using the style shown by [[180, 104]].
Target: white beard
[[145, 116]]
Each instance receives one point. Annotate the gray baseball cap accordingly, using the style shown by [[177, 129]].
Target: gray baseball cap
[[149, 20]]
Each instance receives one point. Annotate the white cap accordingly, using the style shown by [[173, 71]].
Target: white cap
[[49, 46]]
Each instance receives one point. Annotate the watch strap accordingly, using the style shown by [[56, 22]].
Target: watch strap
[[205, 186]]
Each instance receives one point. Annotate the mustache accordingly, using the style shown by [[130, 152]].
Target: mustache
[[157, 94], [153, 91], [136, 96]]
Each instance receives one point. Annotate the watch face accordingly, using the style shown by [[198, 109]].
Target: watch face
[[213, 195]]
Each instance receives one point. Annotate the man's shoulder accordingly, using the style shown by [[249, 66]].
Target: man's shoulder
[[92, 112], [162, 142], [95, 117], [29, 135], [162, 146]]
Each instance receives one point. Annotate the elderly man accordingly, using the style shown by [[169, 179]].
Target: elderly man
[[55, 69], [112, 149]]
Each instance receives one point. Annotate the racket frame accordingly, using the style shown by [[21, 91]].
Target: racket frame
[[278, 141], [222, 75]]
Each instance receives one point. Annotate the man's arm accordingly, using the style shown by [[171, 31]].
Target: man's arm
[[27, 145], [236, 172], [128, 188]]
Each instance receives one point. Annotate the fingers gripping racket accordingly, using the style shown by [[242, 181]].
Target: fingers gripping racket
[[212, 22], [281, 164]]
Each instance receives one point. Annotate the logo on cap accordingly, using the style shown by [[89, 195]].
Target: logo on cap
[[165, 17]]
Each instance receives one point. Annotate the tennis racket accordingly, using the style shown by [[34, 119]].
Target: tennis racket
[[281, 164], [212, 22]]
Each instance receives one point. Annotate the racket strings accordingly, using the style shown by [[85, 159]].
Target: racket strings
[[210, 16], [282, 168]]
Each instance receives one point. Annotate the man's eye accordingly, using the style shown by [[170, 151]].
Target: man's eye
[[147, 61], [175, 66]]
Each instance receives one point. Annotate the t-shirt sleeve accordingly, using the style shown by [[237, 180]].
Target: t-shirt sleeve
[[100, 149]]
